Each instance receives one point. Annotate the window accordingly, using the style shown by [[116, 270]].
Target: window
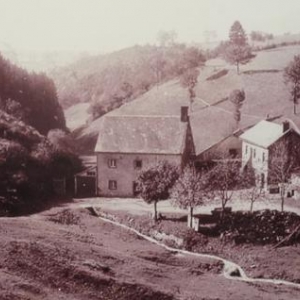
[[138, 164], [112, 184], [112, 163], [263, 156], [262, 180], [135, 188], [254, 153], [246, 149]]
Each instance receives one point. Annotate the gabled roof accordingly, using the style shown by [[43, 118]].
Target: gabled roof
[[141, 134], [213, 124], [263, 134]]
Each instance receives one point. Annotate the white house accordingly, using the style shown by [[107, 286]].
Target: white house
[[258, 144]]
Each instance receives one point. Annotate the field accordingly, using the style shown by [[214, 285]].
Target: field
[[69, 254]]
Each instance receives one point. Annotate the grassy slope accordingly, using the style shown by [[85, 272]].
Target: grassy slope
[[61, 254], [262, 80], [257, 261]]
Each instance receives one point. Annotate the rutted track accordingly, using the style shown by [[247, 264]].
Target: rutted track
[[230, 271]]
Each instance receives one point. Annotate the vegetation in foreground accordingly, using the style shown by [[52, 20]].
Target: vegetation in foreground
[[29, 162], [35, 148], [233, 238], [69, 254]]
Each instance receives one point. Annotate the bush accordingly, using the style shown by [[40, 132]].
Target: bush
[[259, 227], [192, 240]]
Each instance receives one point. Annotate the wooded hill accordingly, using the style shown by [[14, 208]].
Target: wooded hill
[[108, 81]]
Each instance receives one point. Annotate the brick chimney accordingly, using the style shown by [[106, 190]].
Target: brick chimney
[[184, 113], [285, 126]]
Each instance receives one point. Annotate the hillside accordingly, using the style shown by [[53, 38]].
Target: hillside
[[262, 79], [107, 81]]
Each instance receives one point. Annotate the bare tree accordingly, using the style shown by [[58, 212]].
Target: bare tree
[[189, 190], [284, 159], [252, 187], [224, 178]]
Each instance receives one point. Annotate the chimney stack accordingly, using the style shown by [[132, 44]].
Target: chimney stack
[[184, 113], [285, 126]]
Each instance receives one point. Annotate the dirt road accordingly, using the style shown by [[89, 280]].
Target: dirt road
[[139, 207], [68, 254]]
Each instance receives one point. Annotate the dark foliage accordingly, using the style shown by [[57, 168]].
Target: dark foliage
[[155, 183], [28, 164], [259, 227], [29, 97], [217, 75], [261, 36], [292, 79]]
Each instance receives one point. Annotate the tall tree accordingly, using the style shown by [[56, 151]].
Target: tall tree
[[189, 190], [189, 80], [252, 186], [237, 35], [237, 98], [292, 79], [237, 49], [154, 184]]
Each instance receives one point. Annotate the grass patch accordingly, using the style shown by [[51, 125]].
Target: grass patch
[[259, 261]]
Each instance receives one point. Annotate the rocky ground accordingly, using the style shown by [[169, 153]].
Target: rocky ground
[[70, 254]]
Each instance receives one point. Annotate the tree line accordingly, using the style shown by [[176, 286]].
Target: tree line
[[189, 187], [30, 97], [34, 145], [29, 162]]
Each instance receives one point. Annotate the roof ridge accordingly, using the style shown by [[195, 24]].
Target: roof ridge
[[144, 116]]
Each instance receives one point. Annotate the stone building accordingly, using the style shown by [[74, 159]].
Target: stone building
[[128, 144]]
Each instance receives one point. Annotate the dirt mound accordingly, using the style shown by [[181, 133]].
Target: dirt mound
[[68, 217], [56, 268]]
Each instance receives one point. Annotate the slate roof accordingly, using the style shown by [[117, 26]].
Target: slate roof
[[213, 124], [141, 134], [263, 134]]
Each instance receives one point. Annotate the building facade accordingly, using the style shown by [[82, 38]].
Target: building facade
[[129, 144], [264, 141]]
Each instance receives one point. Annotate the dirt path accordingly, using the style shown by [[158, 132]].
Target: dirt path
[[139, 207]]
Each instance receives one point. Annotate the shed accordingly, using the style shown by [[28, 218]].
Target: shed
[[85, 183]]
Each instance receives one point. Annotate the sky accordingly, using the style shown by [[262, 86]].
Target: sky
[[108, 25]]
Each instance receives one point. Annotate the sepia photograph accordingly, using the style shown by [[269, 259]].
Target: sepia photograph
[[149, 150]]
